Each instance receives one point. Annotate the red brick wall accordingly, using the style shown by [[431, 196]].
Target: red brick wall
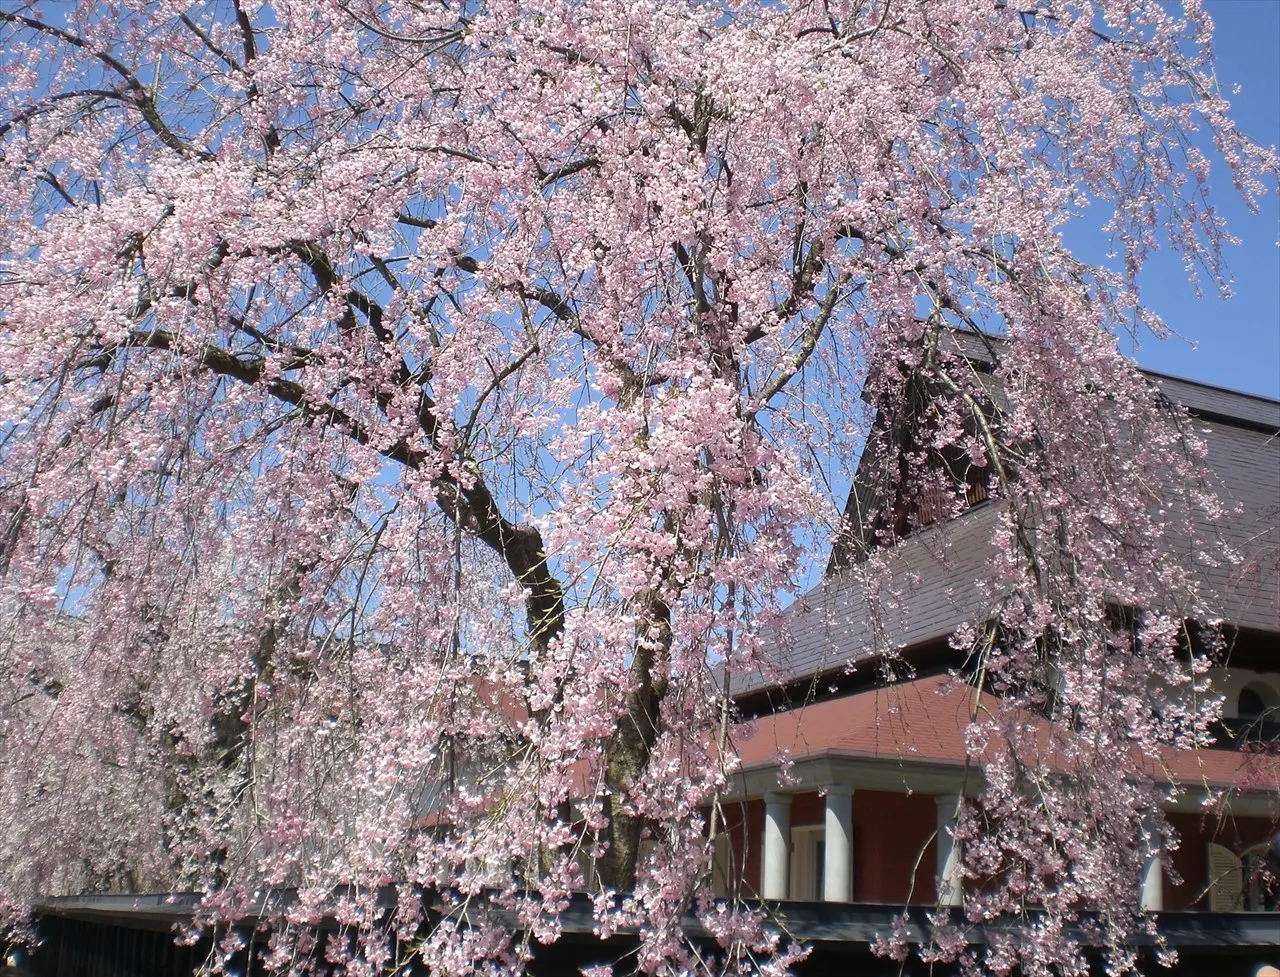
[[891, 829], [808, 808]]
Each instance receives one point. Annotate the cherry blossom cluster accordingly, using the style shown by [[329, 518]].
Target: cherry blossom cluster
[[410, 415]]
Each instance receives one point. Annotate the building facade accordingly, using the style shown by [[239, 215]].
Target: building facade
[[875, 770]]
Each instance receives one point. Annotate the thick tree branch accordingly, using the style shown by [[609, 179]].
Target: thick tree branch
[[808, 343]]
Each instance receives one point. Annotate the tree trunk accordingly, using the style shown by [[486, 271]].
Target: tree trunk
[[629, 748]]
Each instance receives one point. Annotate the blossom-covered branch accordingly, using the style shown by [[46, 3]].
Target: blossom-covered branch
[[411, 414]]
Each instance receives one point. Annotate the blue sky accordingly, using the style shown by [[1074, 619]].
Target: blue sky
[[1236, 342]]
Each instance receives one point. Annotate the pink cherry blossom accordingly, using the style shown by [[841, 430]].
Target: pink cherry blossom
[[410, 411]]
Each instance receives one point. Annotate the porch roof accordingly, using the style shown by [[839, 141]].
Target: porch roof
[[924, 721]]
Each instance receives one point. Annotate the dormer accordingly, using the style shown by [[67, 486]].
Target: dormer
[[925, 460]]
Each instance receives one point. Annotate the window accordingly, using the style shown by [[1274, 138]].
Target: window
[[1257, 719], [1261, 884], [1241, 883], [1250, 705], [1225, 879], [808, 855], [957, 485]]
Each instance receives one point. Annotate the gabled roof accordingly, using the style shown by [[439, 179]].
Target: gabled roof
[[934, 579], [933, 584]]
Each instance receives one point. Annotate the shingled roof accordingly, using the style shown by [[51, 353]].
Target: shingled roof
[[933, 581], [925, 720]]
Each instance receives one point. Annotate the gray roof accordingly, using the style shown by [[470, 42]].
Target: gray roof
[[934, 581], [1244, 471], [1202, 398]]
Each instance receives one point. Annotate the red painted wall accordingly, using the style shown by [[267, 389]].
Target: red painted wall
[[892, 835], [744, 823]]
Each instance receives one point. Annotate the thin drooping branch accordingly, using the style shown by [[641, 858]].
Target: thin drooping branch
[[468, 500], [588, 317], [138, 96]]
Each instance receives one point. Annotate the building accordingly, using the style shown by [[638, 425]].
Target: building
[[877, 768]]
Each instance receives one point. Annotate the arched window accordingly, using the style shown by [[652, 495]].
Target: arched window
[[1245, 882], [1250, 705], [1261, 886]]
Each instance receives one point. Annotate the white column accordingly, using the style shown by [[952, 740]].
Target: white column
[[837, 868], [1152, 894], [775, 873], [950, 892]]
